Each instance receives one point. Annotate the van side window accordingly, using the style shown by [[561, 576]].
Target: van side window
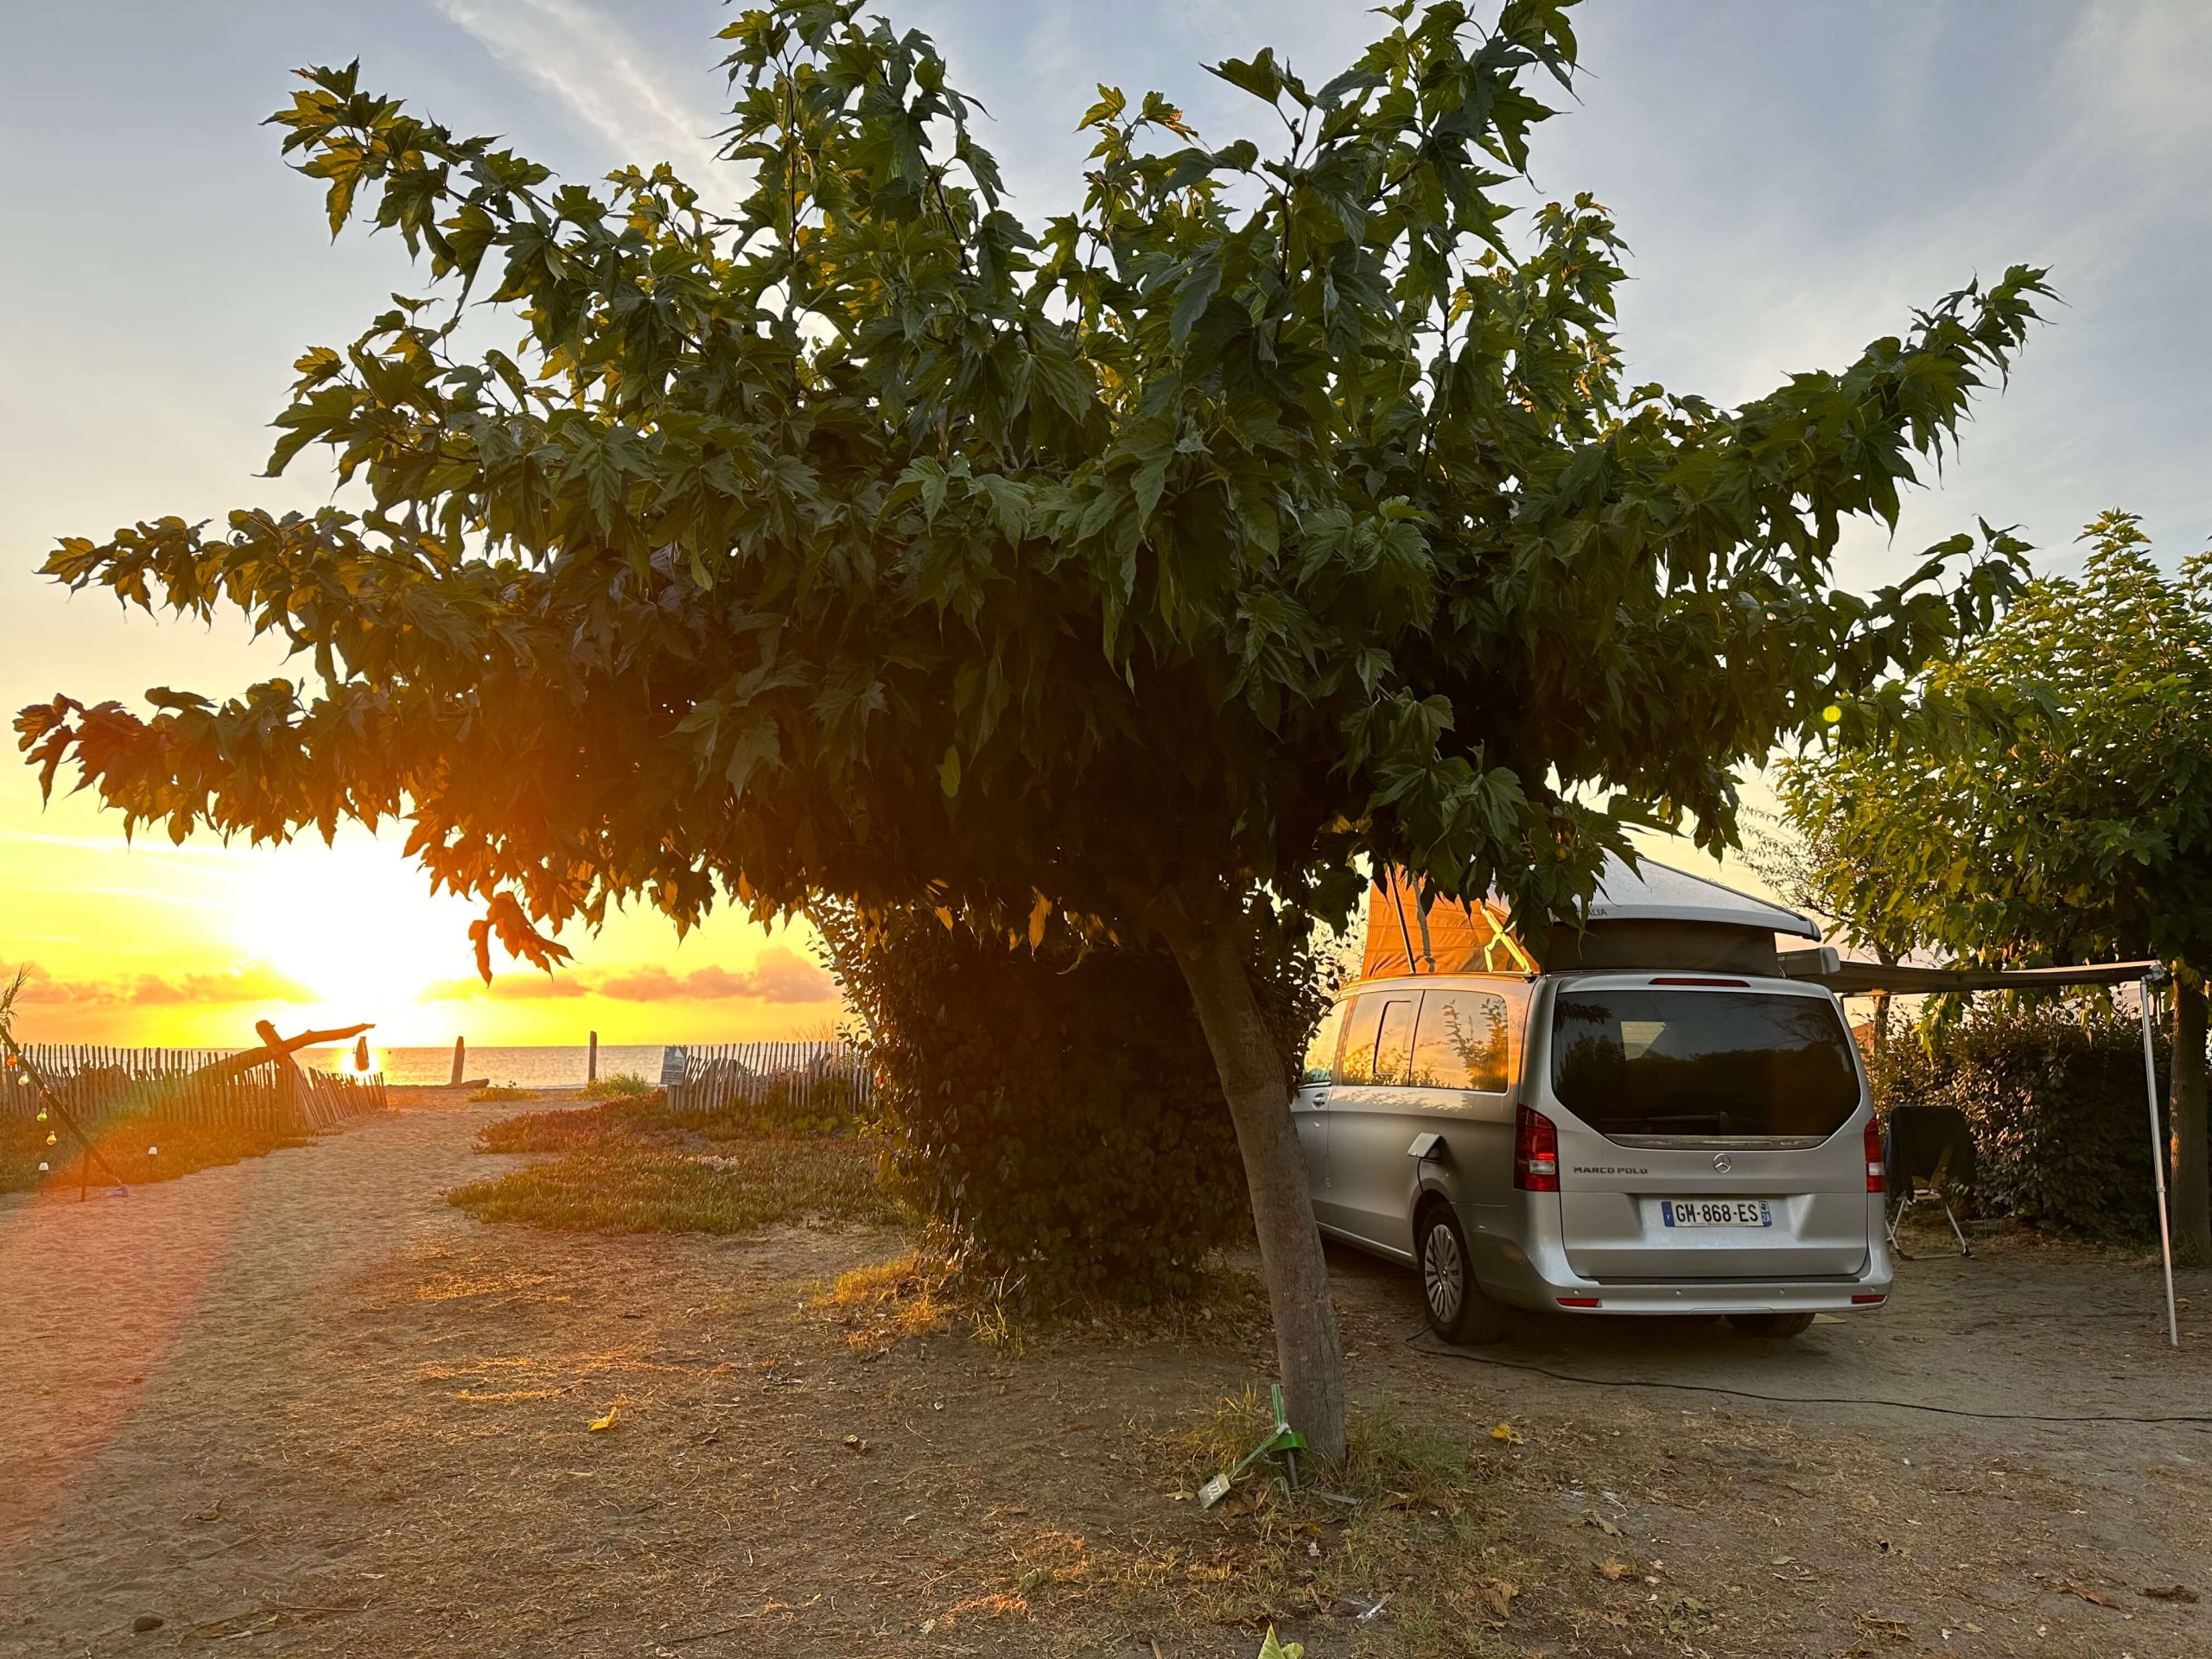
[[1356, 1061], [1395, 1047], [1461, 1043], [1321, 1052]]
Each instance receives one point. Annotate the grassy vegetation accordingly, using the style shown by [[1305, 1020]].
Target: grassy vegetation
[[631, 1165], [502, 1091], [621, 1085], [139, 1149]]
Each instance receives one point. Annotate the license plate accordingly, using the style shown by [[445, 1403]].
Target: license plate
[[1716, 1212]]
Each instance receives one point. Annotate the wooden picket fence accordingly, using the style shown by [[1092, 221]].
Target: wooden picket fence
[[801, 1079], [96, 1084]]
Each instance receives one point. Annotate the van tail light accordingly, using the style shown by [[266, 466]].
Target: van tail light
[[1878, 1179], [1535, 1152]]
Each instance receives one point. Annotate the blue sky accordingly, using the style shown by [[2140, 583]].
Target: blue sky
[[1791, 179]]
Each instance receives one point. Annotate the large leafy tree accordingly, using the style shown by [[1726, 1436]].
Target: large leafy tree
[[1271, 510], [2047, 798]]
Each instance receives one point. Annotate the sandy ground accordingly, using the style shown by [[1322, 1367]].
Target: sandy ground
[[300, 1404]]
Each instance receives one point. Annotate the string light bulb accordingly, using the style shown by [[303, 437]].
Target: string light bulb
[[51, 1137]]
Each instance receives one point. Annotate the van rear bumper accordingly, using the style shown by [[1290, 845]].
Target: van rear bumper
[[1535, 1275]]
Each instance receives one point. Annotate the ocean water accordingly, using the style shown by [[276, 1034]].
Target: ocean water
[[528, 1068]]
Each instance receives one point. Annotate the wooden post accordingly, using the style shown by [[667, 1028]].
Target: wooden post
[[53, 1105], [286, 1070], [459, 1058], [591, 1061]]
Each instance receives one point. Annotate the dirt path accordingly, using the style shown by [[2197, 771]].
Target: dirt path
[[141, 1334], [301, 1404]]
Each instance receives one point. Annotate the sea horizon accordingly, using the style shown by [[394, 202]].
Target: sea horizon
[[541, 1066]]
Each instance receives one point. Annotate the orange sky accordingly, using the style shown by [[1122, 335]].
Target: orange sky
[[163, 946]]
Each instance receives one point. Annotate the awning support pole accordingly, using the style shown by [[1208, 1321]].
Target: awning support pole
[[2158, 1157]]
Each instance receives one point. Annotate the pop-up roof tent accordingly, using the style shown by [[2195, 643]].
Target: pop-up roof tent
[[1653, 916]]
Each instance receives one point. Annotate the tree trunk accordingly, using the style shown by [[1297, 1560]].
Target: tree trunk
[[1209, 948], [2185, 1120], [1888, 958]]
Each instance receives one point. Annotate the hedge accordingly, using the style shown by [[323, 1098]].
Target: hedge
[[1055, 1112], [2055, 1097]]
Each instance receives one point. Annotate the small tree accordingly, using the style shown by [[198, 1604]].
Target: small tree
[[1266, 514], [1803, 861], [2048, 799]]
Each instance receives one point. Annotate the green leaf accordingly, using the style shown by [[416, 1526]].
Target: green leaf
[[757, 745], [1198, 287], [1257, 75]]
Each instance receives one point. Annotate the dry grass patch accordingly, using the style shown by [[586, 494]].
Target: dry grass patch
[[932, 1288], [1405, 1553], [916, 1293], [1407, 1540], [928, 1290]]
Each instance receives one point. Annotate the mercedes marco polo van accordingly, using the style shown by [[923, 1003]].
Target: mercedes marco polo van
[[1653, 1119]]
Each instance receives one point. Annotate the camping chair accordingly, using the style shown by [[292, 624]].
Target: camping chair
[[1925, 1151]]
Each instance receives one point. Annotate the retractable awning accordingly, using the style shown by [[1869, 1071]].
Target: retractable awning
[[1825, 966]]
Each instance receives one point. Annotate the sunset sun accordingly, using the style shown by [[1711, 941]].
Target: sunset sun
[[354, 927]]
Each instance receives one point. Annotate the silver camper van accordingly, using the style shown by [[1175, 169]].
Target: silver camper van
[[1657, 1120]]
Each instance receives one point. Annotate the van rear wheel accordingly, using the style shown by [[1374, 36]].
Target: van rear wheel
[[1771, 1325], [1458, 1311]]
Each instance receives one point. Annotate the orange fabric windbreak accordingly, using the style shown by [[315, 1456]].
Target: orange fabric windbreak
[[1449, 936]]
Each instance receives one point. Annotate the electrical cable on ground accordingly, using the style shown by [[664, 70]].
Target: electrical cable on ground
[[2182, 1418]]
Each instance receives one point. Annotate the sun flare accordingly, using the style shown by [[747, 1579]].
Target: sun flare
[[355, 926]]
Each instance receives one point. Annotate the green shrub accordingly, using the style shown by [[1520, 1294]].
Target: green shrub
[[1055, 1112], [2054, 1095], [621, 1084]]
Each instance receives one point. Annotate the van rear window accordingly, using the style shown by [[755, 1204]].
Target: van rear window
[[1647, 1062]]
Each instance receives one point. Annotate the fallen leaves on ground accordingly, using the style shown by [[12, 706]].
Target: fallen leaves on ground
[[2068, 1587]]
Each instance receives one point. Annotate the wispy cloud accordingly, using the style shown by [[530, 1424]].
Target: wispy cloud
[[256, 982], [595, 68], [780, 974]]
